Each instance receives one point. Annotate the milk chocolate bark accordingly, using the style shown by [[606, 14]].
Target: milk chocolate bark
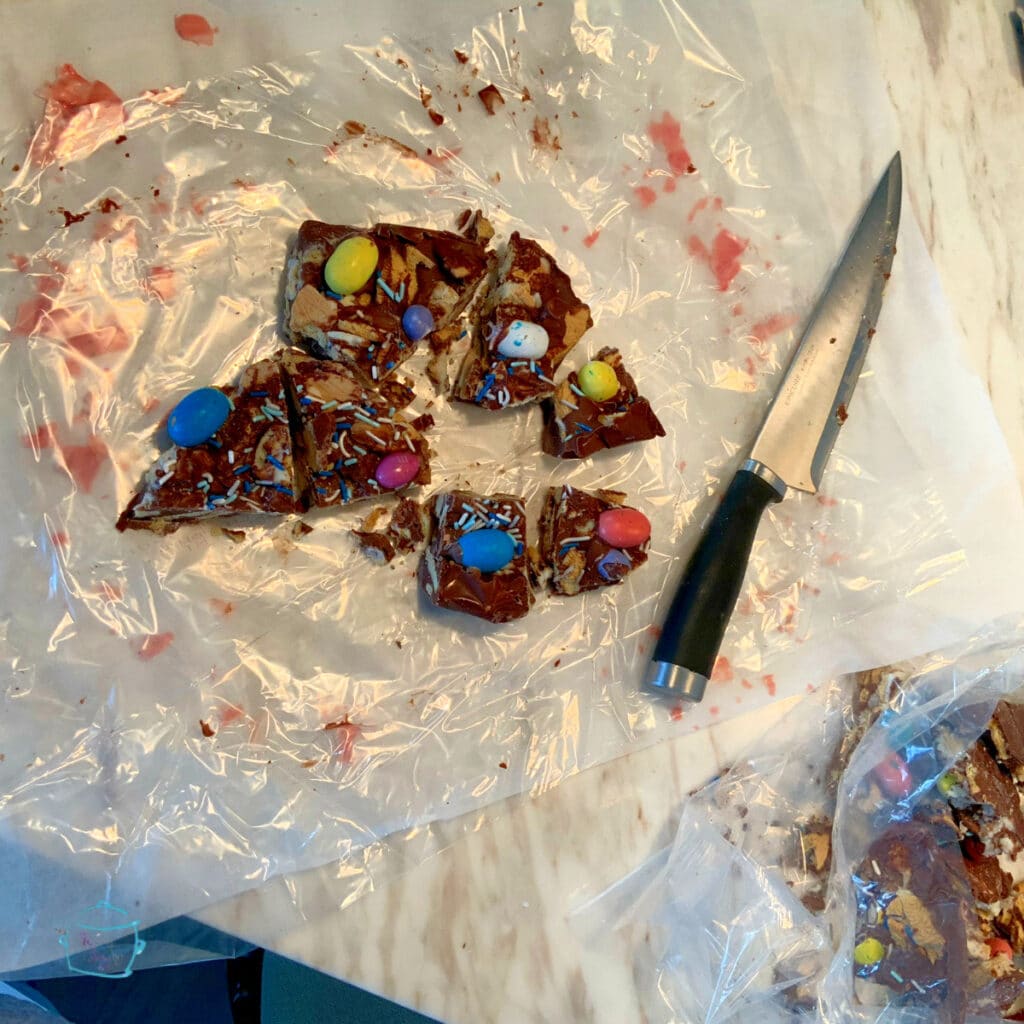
[[387, 533], [437, 269], [245, 467], [530, 293], [576, 426], [499, 596], [346, 430], [578, 559]]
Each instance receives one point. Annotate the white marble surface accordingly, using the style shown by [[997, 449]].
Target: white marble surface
[[480, 931]]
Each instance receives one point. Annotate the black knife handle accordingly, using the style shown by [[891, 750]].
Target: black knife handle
[[707, 594]]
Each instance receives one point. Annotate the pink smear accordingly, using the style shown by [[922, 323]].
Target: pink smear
[[84, 461], [834, 559], [722, 672], [231, 713], [44, 436], [737, 310], [645, 196], [60, 538], [592, 238], [677, 713], [160, 282], [713, 710], [154, 644], [78, 118], [681, 465], [654, 630], [746, 684], [199, 203], [724, 256], [827, 501], [764, 329], [769, 683], [348, 733], [667, 135], [565, 228], [150, 404], [696, 208], [669, 185], [194, 28], [19, 262]]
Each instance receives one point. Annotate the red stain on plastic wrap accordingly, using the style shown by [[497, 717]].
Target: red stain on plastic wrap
[[590, 239], [60, 539], [161, 283], [18, 261], [768, 328], [108, 205], [654, 630], [150, 404], [348, 734], [676, 714], [824, 499], [723, 257], [645, 195], [199, 204], [44, 436], [713, 710], [439, 157], [222, 607], [722, 672], [769, 684], [83, 462], [79, 117], [667, 135], [194, 28], [230, 713], [834, 559], [746, 684], [154, 644]]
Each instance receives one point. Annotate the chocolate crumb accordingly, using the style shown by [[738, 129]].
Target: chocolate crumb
[[558, 661], [108, 205], [235, 535], [120, 139], [208, 731], [841, 414], [461, 57], [542, 136], [503, 764], [354, 127], [491, 99], [72, 218], [301, 529]]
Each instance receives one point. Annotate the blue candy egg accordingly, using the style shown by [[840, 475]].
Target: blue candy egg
[[417, 322], [486, 550], [524, 340], [198, 416]]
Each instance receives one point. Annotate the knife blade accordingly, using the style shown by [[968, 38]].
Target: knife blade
[[791, 449]]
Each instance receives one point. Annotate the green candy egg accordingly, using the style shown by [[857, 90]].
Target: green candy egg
[[598, 381], [868, 952], [351, 265], [947, 784]]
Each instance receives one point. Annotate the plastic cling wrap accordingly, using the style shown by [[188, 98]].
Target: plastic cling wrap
[[862, 866], [147, 240]]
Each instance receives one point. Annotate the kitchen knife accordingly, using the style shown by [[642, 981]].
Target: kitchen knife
[[791, 450]]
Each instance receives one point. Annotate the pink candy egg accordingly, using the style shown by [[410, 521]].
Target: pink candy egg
[[623, 527], [397, 469]]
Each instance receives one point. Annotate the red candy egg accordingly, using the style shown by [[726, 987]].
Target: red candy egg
[[999, 947], [894, 776], [397, 469], [623, 527]]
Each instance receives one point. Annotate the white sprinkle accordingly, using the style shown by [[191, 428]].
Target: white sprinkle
[[574, 540], [341, 444], [231, 457], [408, 441], [373, 372], [547, 380], [874, 864], [352, 339], [917, 986], [373, 437]]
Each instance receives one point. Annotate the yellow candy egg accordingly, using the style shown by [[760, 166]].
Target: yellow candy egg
[[351, 265], [598, 381], [868, 952]]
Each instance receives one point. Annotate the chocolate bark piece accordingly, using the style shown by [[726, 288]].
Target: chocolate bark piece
[[1007, 732], [416, 266], [913, 899], [994, 985], [346, 429], [386, 533], [530, 289], [245, 467], [576, 426], [986, 803], [578, 559], [499, 596]]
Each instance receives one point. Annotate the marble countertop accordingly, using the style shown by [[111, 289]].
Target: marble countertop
[[481, 930]]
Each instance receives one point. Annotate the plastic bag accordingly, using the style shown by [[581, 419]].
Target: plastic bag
[[791, 838], [149, 264]]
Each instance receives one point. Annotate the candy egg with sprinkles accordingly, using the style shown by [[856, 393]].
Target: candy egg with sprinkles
[[487, 550], [198, 416], [351, 265], [598, 381], [524, 340]]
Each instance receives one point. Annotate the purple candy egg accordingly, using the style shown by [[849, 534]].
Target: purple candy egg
[[614, 564], [417, 322], [397, 469]]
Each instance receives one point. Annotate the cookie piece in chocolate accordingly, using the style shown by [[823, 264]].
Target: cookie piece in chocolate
[[913, 909], [385, 533], [579, 544], [476, 561], [577, 425], [433, 274], [354, 441], [1007, 732], [245, 466], [529, 322]]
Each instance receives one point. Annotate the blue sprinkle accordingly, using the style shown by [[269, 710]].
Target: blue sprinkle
[[242, 469], [213, 442], [246, 486], [325, 473], [487, 385], [284, 490], [342, 426], [346, 494], [338, 465], [306, 400], [332, 295], [275, 462], [370, 409], [389, 365], [388, 292], [585, 428], [350, 462], [260, 394], [321, 490]]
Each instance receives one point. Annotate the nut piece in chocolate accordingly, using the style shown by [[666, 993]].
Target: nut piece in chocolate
[[245, 466], [476, 561], [390, 270], [579, 420], [528, 323], [354, 442], [582, 545]]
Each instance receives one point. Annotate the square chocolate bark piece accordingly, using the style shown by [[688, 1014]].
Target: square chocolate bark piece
[[438, 270], [245, 467], [576, 426], [577, 556], [529, 322], [463, 574], [354, 442]]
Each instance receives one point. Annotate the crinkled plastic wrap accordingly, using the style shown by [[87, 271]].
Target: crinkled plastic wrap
[[147, 243], [778, 869]]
